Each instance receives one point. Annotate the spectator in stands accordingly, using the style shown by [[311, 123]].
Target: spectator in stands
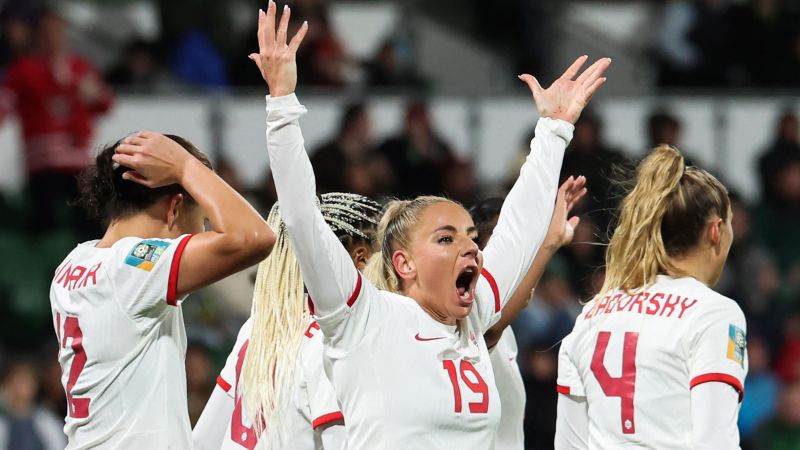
[[16, 32], [24, 425], [783, 431], [663, 128], [57, 95], [750, 275], [550, 316], [785, 147], [418, 155], [392, 67], [590, 156], [763, 387], [349, 162], [138, 68], [765, 40]]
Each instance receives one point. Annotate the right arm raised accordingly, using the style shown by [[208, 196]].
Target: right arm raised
[[328, 271]]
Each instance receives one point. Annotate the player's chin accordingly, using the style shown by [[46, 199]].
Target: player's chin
[[460, 308]]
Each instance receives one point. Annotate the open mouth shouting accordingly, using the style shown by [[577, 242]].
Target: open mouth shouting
[[465, 284]]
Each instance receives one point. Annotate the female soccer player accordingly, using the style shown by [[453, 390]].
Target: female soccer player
[[116, 301], [500, 339], [657, 359], [409, 363], [297, 404]]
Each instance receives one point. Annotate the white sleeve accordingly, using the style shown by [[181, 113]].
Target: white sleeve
[[145, 273], [572, 423], [715, 410], [209, 432], [321, 395], [718, 347], [334, 437], [335, 287], [569, 381], [524, 219]]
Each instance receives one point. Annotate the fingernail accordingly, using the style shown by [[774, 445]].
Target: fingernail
[[260, 12], [305, 23], [285, 8]]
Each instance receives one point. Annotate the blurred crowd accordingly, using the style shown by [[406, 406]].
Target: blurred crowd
[[57, 95], [729, 43]]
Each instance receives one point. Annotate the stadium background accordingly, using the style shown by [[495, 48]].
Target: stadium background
[[396, 91]]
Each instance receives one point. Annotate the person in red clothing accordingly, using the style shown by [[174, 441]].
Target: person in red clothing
[[57, 95]]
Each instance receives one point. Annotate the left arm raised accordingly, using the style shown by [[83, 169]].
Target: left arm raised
[[528, 208]]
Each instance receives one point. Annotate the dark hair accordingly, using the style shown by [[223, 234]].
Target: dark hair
[[352, 112], [106, 196], [483, 213]]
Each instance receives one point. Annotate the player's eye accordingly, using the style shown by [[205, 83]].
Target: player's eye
[[447, 239]]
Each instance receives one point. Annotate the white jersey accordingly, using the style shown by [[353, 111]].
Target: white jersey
[[122, 344], [510, 434], [403, 379], [313, 401], [636, 357]]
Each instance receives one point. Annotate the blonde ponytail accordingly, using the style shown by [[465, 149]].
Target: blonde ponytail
[[279, 319], [662, 217]]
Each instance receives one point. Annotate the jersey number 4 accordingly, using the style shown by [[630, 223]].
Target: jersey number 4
[[623, 386], [477, 385], [78, 407]]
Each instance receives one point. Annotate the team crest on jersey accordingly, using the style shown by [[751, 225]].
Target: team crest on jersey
[[146, 253], [737, 342]]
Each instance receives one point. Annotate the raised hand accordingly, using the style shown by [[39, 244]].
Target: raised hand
[[155, 159], [275, 59], [561, 229], [567, 96]]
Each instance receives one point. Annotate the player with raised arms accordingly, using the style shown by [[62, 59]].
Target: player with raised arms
[[657, 359], [500, 339], [116, 301], [296, 402], [408, 358]]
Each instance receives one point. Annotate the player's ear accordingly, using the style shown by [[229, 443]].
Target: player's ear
[[174, 210], [714, 231], [360, 254], [404, 266]]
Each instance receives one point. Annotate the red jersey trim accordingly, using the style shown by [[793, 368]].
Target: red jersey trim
[[223, 384], [326, 419], [493, 285], [356, 291], [310, 304], [562, 389], [720, 378], [172, 284]]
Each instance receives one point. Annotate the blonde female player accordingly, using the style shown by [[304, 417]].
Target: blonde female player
[[657, 359], [500, 339], [116, 301], [297, 403], [409, 362]]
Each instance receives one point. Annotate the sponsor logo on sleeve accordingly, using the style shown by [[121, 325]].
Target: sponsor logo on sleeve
[[145, 254], [737, 342]]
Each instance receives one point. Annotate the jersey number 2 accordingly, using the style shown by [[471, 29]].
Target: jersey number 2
[[78, 407], [477, 386], [623, 386]]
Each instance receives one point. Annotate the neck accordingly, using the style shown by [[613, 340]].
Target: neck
[[696, 265], [142, 225], [414, 293]]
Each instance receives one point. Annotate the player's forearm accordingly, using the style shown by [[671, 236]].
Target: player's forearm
[[328, 271], [241, 227], [528, 208], [522, 296]]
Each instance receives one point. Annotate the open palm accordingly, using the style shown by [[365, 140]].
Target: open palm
[[568, 95], [562, 228], [276, 60]]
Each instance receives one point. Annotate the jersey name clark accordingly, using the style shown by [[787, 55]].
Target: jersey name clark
[[650, 303]]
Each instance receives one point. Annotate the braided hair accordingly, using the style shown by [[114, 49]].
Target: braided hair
[[279, 314]]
